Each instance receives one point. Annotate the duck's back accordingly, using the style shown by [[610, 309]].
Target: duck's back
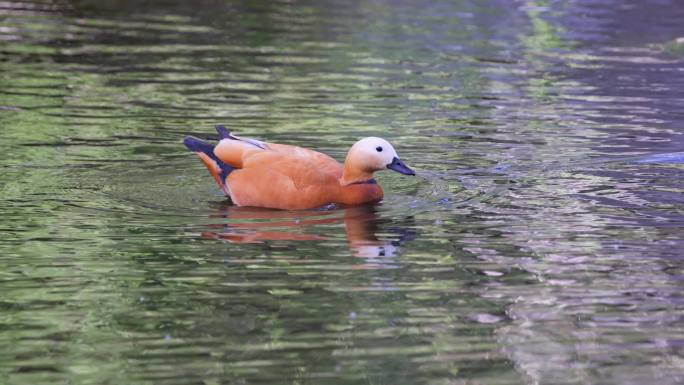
[[238, 153], [322, 162]]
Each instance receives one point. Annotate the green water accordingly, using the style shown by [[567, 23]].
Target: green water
[[533, 247]]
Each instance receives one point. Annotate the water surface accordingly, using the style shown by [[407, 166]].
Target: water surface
[[540, 243]]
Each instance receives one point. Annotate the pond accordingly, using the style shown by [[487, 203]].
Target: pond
[[540, 243]]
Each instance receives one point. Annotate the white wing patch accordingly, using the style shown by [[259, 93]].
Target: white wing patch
[[251, 141]]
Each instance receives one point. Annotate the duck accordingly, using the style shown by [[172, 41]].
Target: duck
[[255, 173]]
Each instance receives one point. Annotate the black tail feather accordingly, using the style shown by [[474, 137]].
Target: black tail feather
[[198, 145], [223, 132]]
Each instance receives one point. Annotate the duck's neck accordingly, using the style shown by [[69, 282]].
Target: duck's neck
[[354, 174]]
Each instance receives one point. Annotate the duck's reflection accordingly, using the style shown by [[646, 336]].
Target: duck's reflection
[[361, 223]]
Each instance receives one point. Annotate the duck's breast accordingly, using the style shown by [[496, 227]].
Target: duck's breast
[[360, 193]]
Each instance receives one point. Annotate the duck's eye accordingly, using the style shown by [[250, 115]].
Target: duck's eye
[[378, 149]]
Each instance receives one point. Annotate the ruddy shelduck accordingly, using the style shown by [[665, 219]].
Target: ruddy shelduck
[[255, 173]]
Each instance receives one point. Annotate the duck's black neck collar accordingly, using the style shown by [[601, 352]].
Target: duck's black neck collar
[[369, 181]]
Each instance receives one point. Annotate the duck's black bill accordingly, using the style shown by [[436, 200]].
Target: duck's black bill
[[400, 167]]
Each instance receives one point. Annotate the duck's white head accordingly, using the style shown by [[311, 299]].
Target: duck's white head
[[372, 154]]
